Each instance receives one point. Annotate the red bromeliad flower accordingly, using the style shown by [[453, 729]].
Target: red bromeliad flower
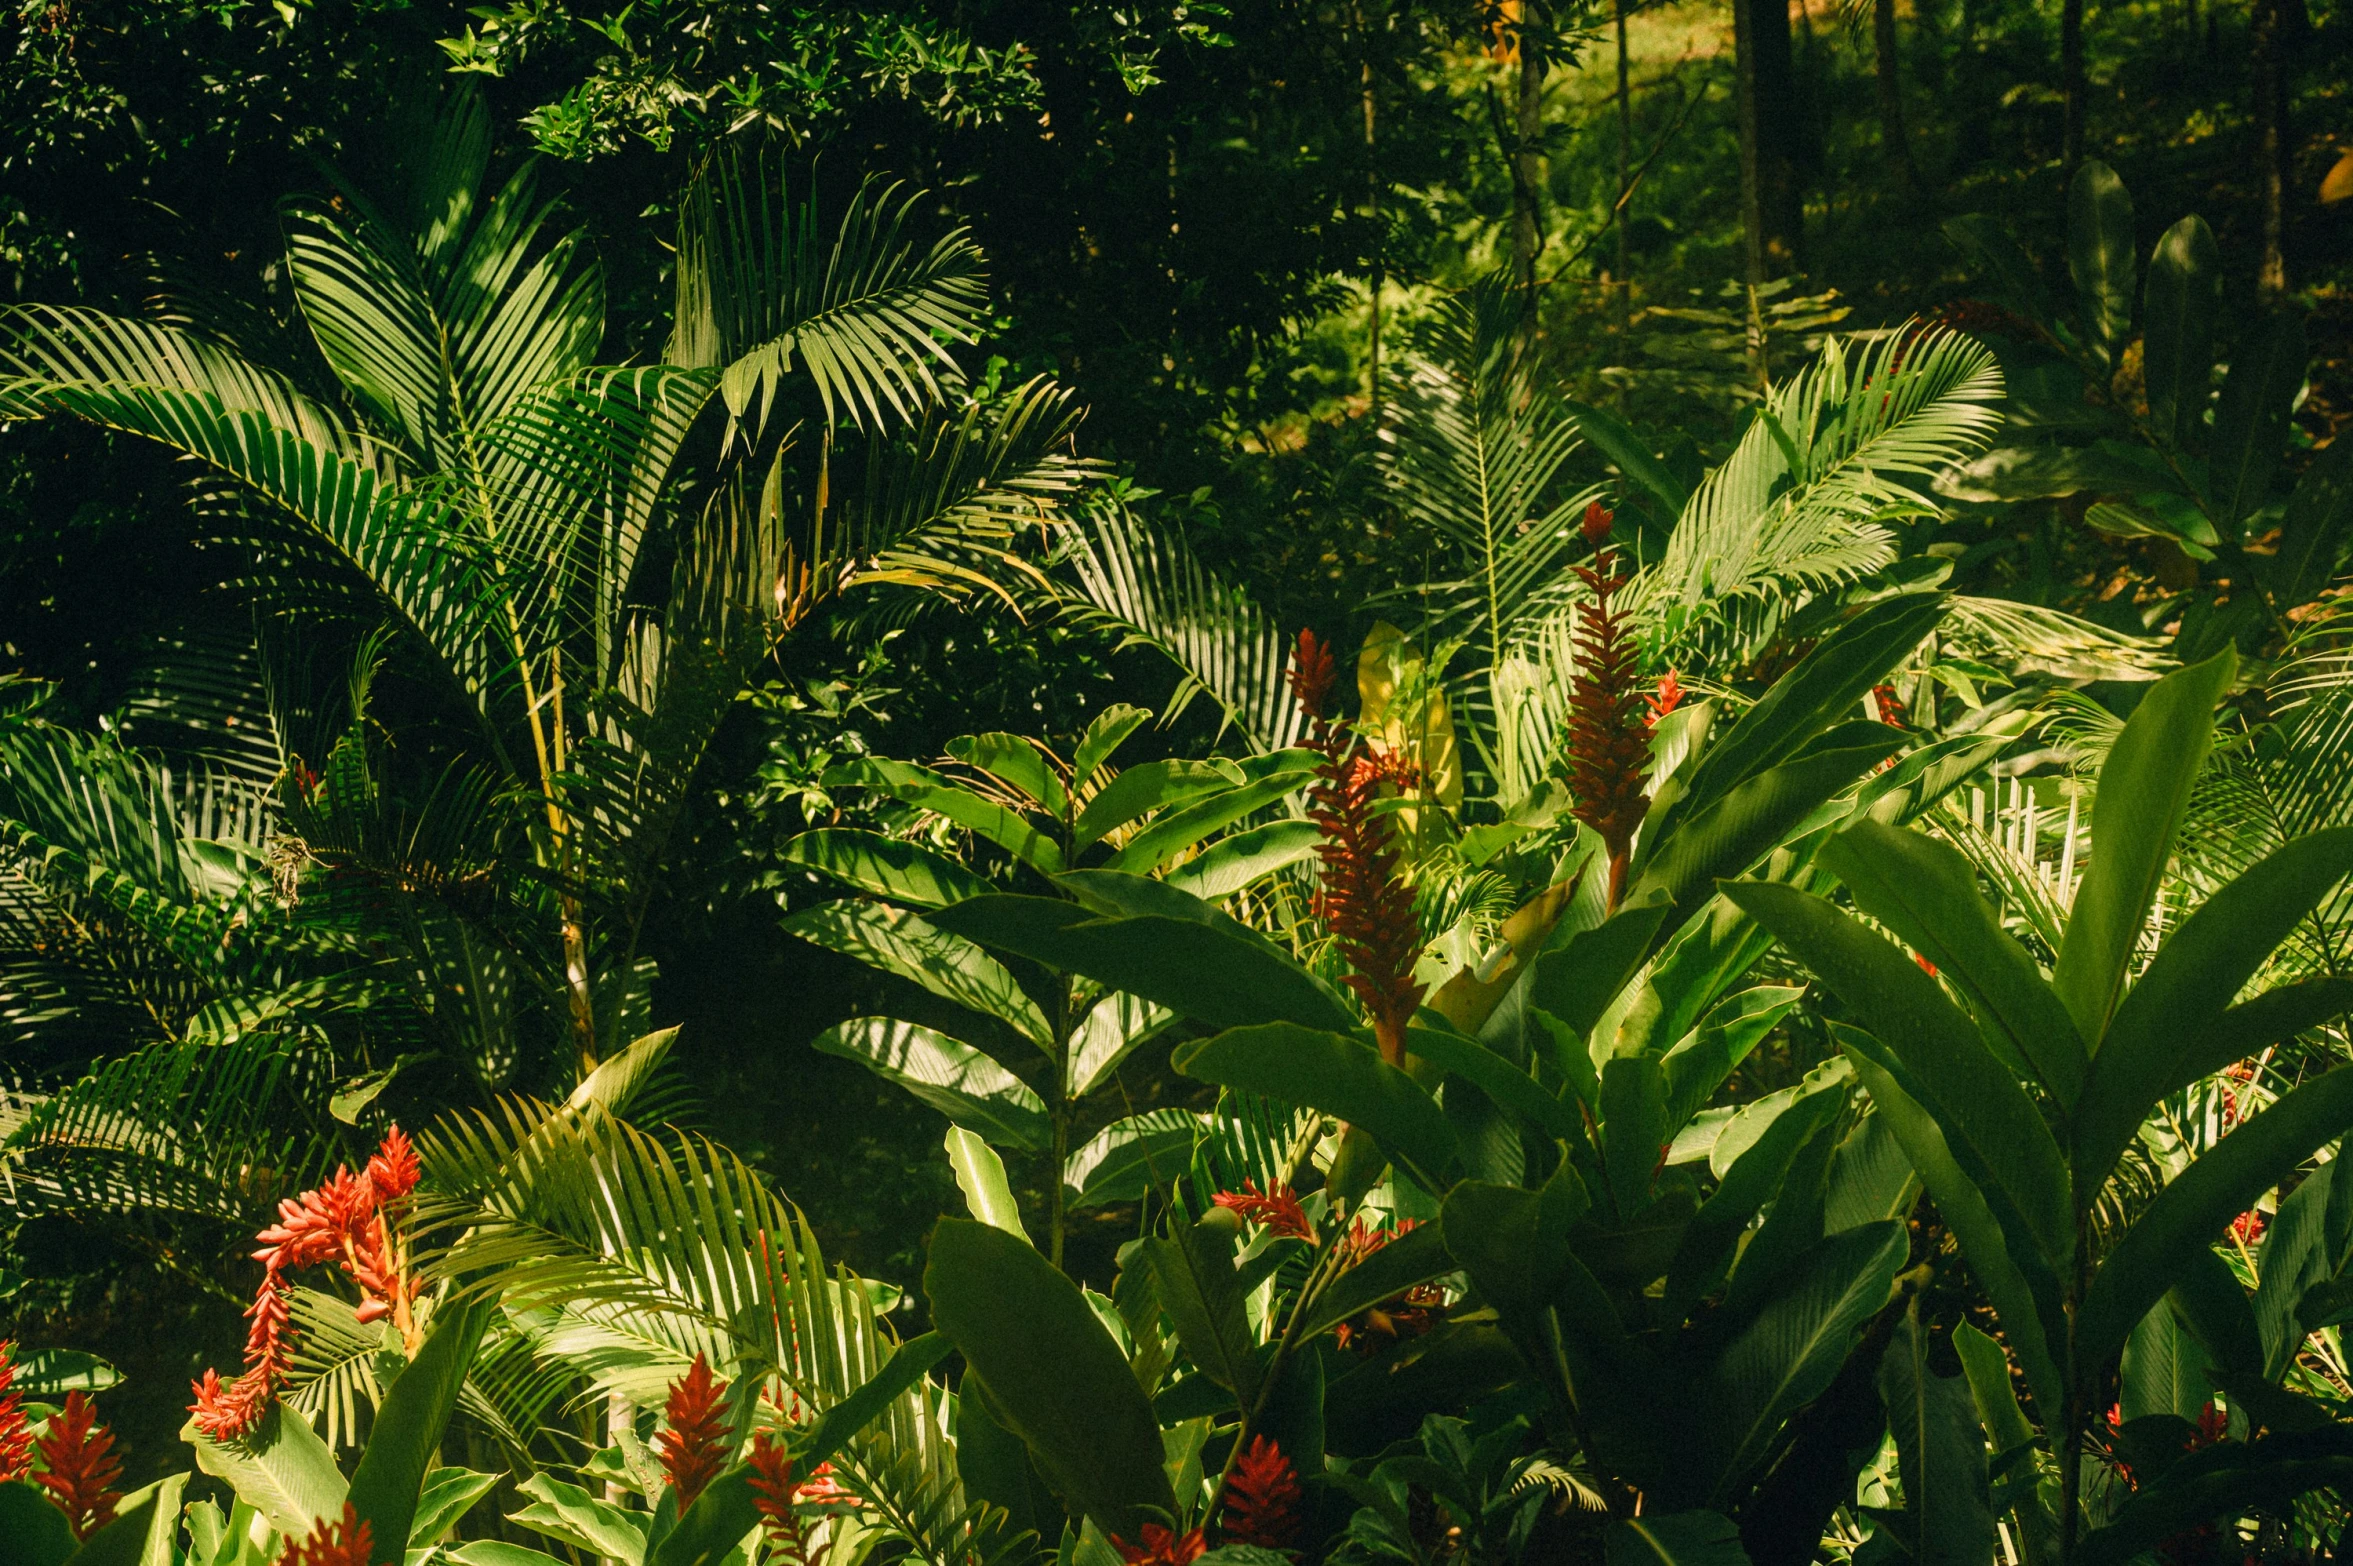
[[345, 1541], [1278, 1209], [81, 1469], [1666, 699], [773, 1496], [694, 1447], [1361, 898], [352, 1222], [2248, 1226], [1608, 738], [1161, 1547], [16, 1441], [1260, 1502]]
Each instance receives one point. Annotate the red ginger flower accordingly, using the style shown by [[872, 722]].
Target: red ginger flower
[[1161, 1547], [1278, 1209], [16, 1441], [1368, 908], [1664, 700], [78, 1454], [1608, 738], [773, 1495], [345, 1541], [1260, 1502], [2248, 1226], [1889, 706], [694, 1447], [347, 1221]]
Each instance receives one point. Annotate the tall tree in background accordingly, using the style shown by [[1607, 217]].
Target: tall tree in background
[[2073, 86], [1887, 70], [2270, 23], [1772, 215], [1527, 179]]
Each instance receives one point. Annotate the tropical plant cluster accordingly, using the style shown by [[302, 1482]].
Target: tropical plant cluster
[[1692, 1027]]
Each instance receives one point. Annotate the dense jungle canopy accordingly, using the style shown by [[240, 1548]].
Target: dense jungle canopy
[[1335, 780]]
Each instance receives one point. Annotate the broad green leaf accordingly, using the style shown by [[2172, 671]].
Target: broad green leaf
[[2213, 1304], [952, 1077], [1823, 689], [1513, 1245], [1675, 1539], [1750, 1122], [2177, 329], [1180, 829], [1751, 1180], [927, 790], [1948, 1515], [2251, 420], [1012, 760], [32, 1529], [2301, 1252], [1751, 819], [496, 1552], [2312, 539], [1577, 980], [449, 1493], [2143, 790], [144, 1531], [919, 950], [1224, 977], [2100, 256], [405, 1440], [2225, 1480], [284, 1471], [1414, 1257], [709, 1531], [53, 1372], [1702, 1059], [1614, 439], [1245, 859], [1197, 1286], [1105, 734], [1337, 1075], [1128, 1157], [1510, 1087], [885, 866], [1988, 1370], [2191, 1212], [980, 1174], [1634, 1129], [1788, 1354], [1926, 893], [1156, 785], [1052, 1371], [1113, 1028], [2036, 1333], [1985, 1116], [2011, 473], [570, 1515], [2169, 1016], [2165, 1368]]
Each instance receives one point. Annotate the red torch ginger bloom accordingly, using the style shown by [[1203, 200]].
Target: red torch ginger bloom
[[1666, 699], [1890, 706], [2248, 1226], [1161, 1547], [1608, 735], [345, 1541], [773, 1495], [1279, 1210], [694, 1447], [348, 1222], [1260, 1503], [16, 1441], [1361, 898], [81, 1469]]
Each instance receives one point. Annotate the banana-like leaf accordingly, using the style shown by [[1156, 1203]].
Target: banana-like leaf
[[1245, 859], [1128, 1157], [952, 1077], [2100, 256], [927, 952], [2227, 1479], [284, 1471], [2177, 328], [1156, 785], [2251, 420], [1948, 1517], [1339, 1076], [1201, 1292], [1676, 1539], [885, 866], [1412, 1258], [980, 1174], [406, 1439]]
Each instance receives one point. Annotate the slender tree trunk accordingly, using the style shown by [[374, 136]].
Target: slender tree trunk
[[2271, 114], [1887, 68], [2074, 89], [1372, 202], [1623, 266], [1771, 210], [1527, 232]]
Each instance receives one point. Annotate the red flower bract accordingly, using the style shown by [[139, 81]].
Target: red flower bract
[[773, 1494], [694, 1447], [345, 1541], [78, 1454], [16, 1441], [1161, 1547], [1608, 732], [1278, 1210], [348, 1221], [1260, 1503], [1367, 907]]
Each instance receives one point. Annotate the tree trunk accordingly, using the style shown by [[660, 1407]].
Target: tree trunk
[[1372, 201], [2271, 114], [1623, 265], [1887, 67], [1527, 230], [2072, 84], [1772, 214]]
